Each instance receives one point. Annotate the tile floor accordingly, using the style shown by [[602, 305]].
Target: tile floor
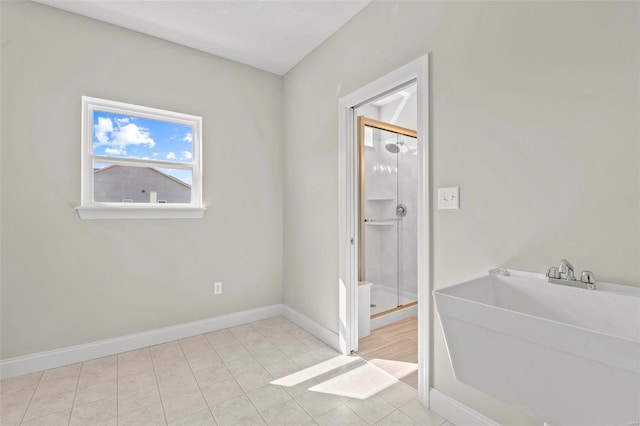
[[267, 372]]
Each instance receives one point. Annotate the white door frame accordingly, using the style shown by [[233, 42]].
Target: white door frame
[[417, 70]]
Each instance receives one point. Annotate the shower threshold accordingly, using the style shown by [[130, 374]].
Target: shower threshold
[[392, 310]]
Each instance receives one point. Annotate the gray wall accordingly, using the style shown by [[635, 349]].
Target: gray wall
[[534, 115], [66, 281]]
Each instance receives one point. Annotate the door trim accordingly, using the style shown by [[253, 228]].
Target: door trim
[[348, 193]]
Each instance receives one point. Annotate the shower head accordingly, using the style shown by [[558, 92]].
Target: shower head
[[393, 148]]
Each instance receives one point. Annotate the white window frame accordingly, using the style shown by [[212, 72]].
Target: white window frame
[[89, 209]]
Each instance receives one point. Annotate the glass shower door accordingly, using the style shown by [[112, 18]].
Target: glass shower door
[[388, 193], [408, 226]]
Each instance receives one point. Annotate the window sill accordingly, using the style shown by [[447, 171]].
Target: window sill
[[165, 212]]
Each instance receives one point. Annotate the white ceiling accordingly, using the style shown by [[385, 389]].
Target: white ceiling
[[267, 34]]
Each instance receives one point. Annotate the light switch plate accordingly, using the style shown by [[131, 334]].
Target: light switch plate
[[449, 198]]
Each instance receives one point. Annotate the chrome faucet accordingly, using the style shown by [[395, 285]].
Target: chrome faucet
[[564, 274], [566, 270]]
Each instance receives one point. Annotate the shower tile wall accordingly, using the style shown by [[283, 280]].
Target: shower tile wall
[[380, 196]]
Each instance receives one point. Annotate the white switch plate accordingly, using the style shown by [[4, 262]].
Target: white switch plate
[[449, 198], [217, 288]]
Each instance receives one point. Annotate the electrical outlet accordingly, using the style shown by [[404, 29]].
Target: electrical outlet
[[217, 288]]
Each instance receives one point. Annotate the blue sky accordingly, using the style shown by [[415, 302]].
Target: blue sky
[[123, 136]]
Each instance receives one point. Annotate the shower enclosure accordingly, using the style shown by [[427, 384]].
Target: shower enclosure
[[388, 171]]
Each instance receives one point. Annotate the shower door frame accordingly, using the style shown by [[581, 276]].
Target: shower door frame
[[415, 71], [364, 121]]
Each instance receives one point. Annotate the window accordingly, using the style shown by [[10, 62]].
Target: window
[[139, 162]]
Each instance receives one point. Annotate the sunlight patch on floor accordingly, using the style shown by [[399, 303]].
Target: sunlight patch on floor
[[361, 382], [316, 370], [350, 376], [397, 369]]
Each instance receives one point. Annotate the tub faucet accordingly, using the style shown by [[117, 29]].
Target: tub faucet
[[564, 274], [566, 270]]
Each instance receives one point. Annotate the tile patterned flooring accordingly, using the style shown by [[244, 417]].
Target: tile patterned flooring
[[269, 372]]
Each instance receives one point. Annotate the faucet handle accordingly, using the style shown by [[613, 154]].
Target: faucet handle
[[588, 277], [553, 272]]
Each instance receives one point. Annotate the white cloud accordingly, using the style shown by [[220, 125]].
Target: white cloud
[[187, 155], [117, 138], [131, 134], [188, 137], [115, 151], [155, 154], [103, 129], [171, 156]]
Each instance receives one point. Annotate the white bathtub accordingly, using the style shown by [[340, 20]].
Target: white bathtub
[[565, 355]]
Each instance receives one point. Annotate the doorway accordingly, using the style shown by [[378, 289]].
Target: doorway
[[349, 198]]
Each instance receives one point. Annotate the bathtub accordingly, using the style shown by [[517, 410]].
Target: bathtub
[[565, 355]]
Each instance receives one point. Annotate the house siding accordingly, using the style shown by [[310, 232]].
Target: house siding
[[117, 183]]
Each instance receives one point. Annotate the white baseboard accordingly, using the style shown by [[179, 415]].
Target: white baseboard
[[455, 412], [312, 327], [64, 356]]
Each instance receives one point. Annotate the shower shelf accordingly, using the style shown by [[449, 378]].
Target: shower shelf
[[379, 199], [383, 222]]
